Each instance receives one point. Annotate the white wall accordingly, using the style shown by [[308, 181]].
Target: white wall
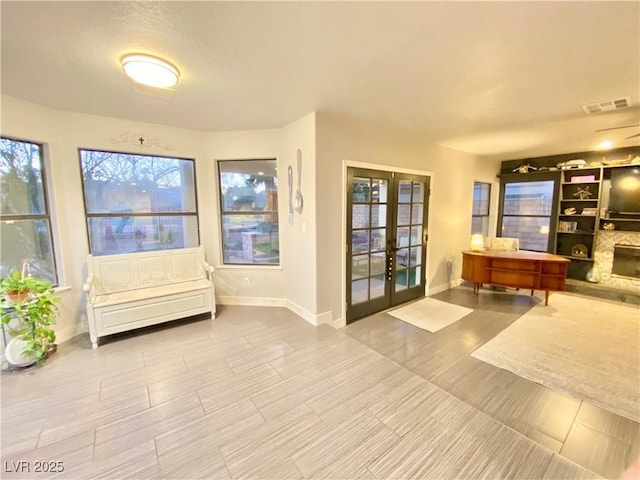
[[451, 200], [309, 279], [298, 245]]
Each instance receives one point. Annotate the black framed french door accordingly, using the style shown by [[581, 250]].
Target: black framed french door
[[387, 215]]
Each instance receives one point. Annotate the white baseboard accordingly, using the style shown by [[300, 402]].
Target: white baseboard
[[251, 301], [444, 287], [337, 323], [312, 318]]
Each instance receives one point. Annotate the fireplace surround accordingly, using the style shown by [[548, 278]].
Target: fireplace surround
[[626, 261], [606, 242]]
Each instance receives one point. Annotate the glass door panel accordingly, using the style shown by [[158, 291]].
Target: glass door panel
[[368, 290], [410, 221]]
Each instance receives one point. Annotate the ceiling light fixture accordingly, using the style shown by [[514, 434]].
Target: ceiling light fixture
[[150, 70]]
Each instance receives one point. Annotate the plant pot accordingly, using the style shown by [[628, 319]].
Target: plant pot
[[17, 297], [53, 348], [13, 354]]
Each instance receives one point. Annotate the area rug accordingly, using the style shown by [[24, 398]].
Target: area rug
[[430, 314], [587, 348]]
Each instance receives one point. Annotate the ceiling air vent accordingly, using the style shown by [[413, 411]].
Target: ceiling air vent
[[607, 106]]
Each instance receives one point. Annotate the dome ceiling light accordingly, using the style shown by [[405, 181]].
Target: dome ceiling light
[[150, 70]]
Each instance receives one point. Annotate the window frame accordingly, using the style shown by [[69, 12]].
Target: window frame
[[485, 223], [46, 216], [532, 177], [222, 212], [195, 213]]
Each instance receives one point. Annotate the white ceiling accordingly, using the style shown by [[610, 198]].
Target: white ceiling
[[501, 79]]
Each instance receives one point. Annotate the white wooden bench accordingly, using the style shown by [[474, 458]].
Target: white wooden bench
[[135, 290]]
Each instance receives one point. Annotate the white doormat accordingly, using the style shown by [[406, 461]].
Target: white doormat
[[430, 314]]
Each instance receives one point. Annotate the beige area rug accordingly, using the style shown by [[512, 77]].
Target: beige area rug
[[430, 314], [587, 348]]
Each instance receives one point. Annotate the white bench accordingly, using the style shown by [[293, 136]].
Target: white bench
[[135, 290]]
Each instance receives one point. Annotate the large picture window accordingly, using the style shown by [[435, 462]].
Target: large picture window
[[25, 224], [527, 209], [249, 211], [138, 202], [480, 211]]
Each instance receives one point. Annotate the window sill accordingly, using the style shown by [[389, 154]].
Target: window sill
[[249, 267]]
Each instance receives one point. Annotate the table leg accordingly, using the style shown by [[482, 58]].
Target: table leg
[[532, 293], [546, 298]]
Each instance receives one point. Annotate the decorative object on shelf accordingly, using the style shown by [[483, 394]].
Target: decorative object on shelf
[[614, 163], [609, 226], [583, 193], [567, 227], [526, 168], [578, 163], [592, 276], [590, 211], [477, 242], [583, 179], [570, 211], [298, 201], [580, 250]]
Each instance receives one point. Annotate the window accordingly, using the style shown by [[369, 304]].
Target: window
[[480, 212], [138, 203], [249, 211], [527, 208], [25, 223]]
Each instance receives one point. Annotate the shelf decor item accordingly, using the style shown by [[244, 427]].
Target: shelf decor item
[[609, 226], [583, 193], [583, 179], [567, 227], [580, 250], [589, 211]]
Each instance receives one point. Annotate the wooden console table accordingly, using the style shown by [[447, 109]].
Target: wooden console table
[[522, 269]]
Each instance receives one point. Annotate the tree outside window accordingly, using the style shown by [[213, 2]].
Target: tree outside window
[[138, 203], [249, 211], [25, 223]]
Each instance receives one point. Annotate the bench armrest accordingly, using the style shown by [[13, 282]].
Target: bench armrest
[[209, 269], [89, 289]]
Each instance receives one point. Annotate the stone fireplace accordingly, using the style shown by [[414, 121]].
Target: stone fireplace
[[618, 268]]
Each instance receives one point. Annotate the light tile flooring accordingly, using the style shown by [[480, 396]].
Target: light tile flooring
[[260, 393]]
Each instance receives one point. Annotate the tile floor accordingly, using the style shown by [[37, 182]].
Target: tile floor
[[260, 393]]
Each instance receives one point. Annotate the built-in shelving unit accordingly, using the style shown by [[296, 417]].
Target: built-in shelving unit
[[578, 216]]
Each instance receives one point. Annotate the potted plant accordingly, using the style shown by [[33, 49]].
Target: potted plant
[[30, 315]]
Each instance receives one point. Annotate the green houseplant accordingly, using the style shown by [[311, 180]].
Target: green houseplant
[[30, 311]]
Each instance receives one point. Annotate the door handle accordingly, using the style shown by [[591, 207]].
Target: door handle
[[390, 254]]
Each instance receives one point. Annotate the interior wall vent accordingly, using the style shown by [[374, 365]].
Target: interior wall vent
[[607, 106]]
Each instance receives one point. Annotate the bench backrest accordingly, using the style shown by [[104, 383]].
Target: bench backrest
[[502, 243], [131, 271]]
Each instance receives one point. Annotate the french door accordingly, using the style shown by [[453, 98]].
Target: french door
[[387, 216]]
